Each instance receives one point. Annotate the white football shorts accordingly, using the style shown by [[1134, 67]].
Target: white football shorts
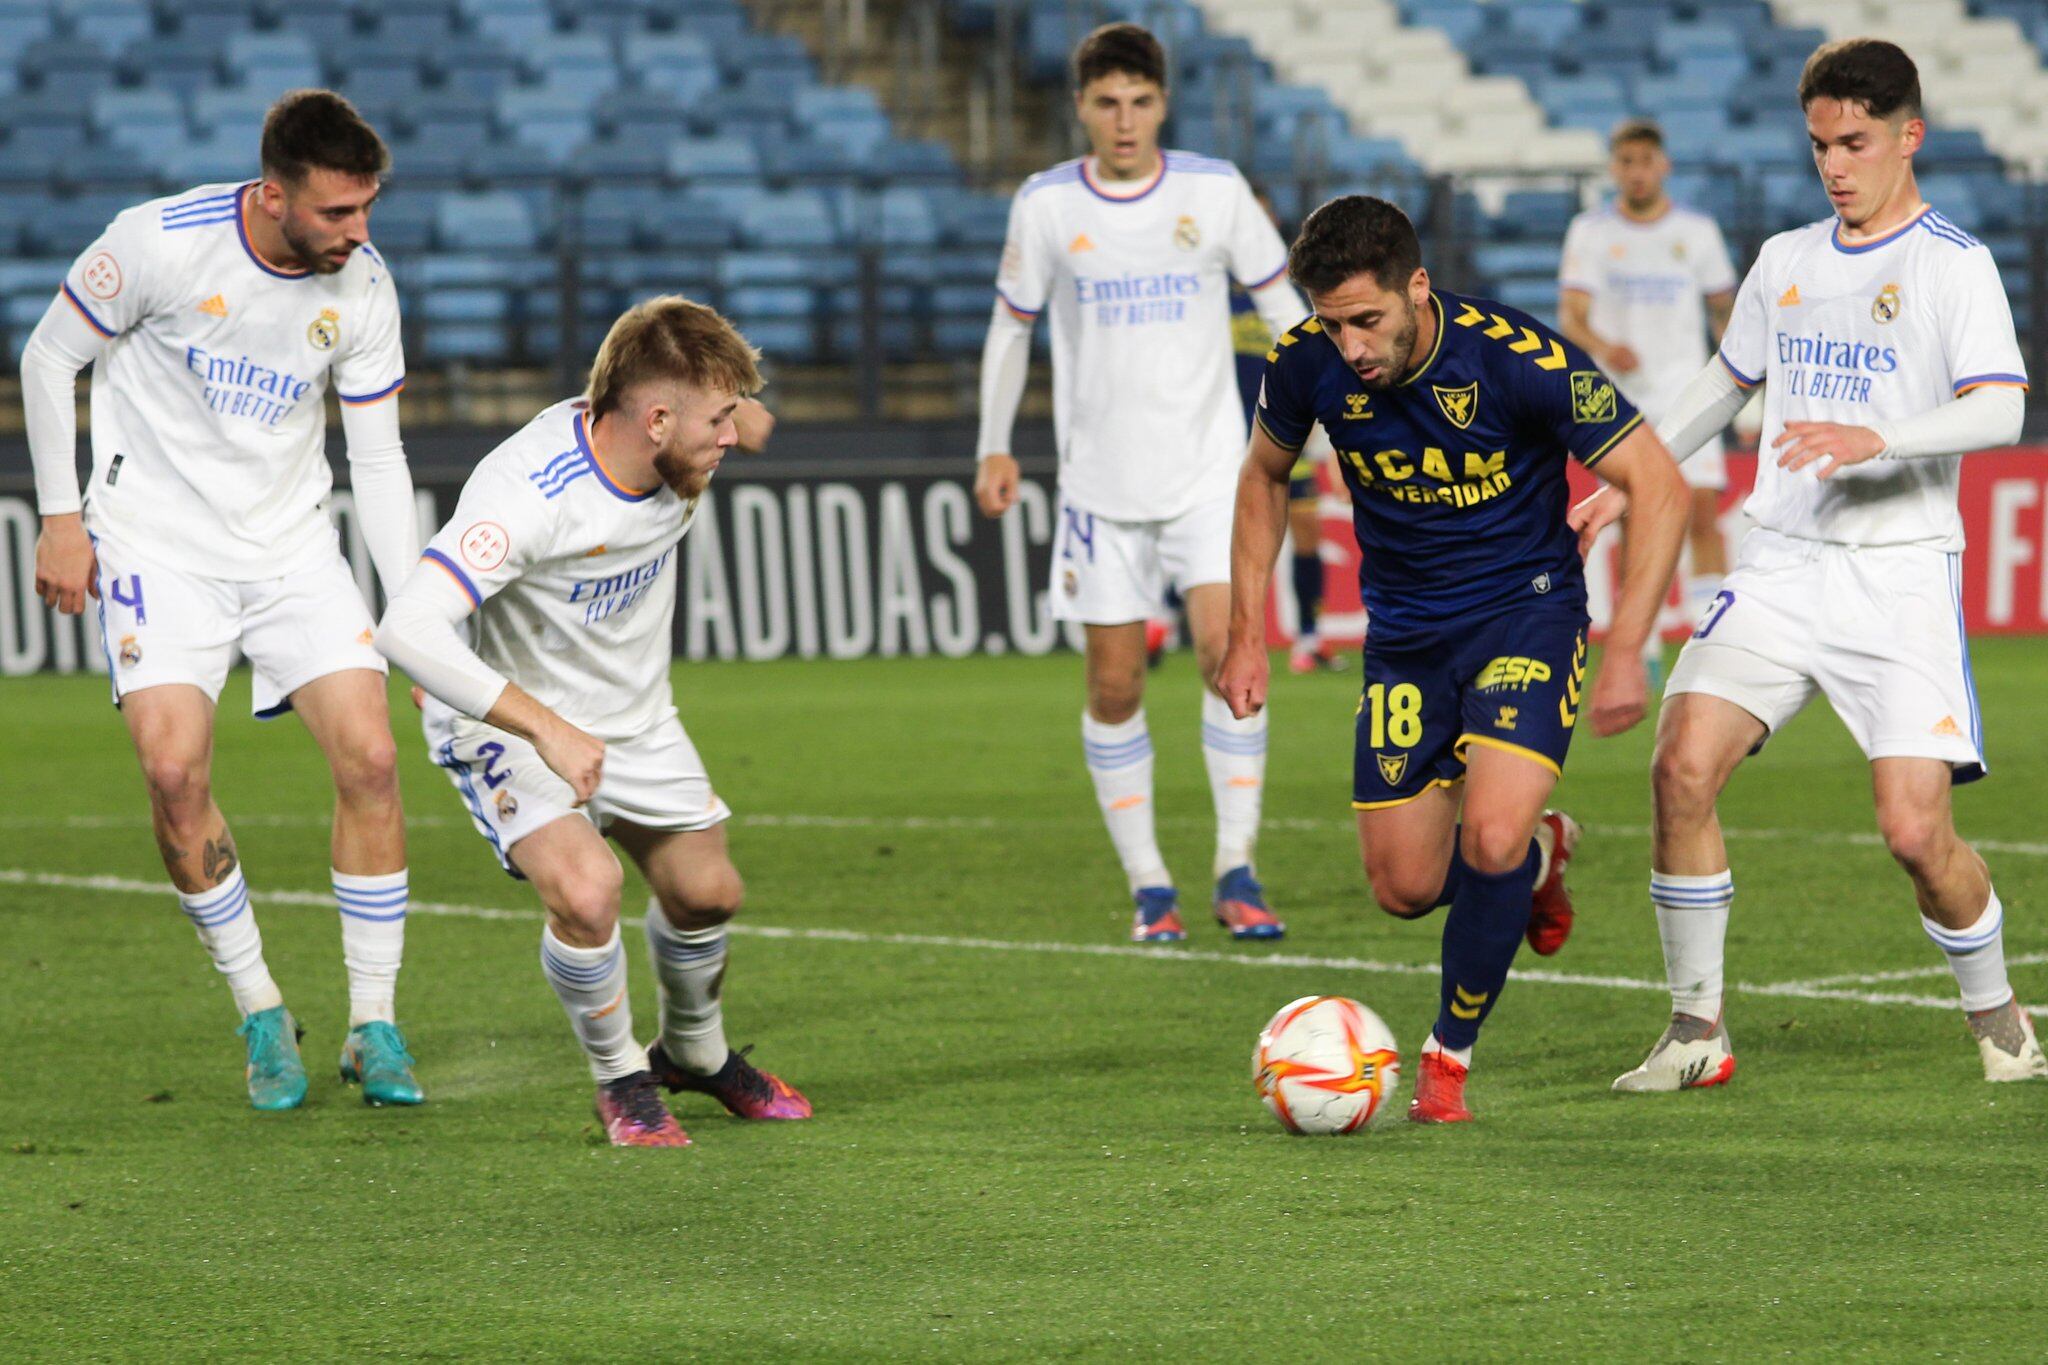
[[1877, 629], [656, 781], [1108, 573], [163, 625]]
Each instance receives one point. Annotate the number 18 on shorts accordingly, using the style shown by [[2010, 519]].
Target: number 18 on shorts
[[1512, 682]]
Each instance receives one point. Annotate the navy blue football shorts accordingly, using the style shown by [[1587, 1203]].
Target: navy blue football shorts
[[1514, 681]]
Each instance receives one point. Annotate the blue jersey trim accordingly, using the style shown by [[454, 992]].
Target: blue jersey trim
[[1261, 284], [1026, 314], [242, 231], [1740, 377], [597, 466], [359, 399], [84, 311], [1088, 181], [1872, 245], [1977, 379], [476, 598], [1066, 173]]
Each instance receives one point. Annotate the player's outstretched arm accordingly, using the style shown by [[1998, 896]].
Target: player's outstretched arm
[[418, 634], [1644, 472], [1255, 537], [62, 344]]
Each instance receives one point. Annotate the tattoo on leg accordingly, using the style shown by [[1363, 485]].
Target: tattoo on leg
[[172, 854], [219, 858]]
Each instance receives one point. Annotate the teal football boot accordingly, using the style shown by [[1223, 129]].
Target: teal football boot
[[277, 1078], [374, 1055]]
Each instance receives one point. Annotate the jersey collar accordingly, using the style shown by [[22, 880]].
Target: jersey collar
[[242, 231], [1095, 189], [1435, 350], [1876, 242], [611, 485]]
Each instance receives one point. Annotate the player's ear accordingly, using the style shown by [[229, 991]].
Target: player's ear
[[1418, 287], [1913, 136]]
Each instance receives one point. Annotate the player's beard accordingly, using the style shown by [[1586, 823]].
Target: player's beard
[[310, 253], [1399, 352], [676, 472]]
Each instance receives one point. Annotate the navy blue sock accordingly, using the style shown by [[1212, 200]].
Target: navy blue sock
[[1308, 590], [1481, 935]]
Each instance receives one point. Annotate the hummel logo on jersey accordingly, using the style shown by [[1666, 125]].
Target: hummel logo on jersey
[[215, 307], [1947, 728], [1790, 298], [1080, 244]]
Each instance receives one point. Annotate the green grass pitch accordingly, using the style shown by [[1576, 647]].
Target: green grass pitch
[[1022, 1151]]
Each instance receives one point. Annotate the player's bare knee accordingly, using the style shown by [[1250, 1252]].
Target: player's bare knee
[[1492, 845], [710, 898], [1401, 893], [179, 788], [1683, 780], [368, 773], [1920, 840], [1115, 700]]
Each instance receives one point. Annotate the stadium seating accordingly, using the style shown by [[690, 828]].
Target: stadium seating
[[618, 135]]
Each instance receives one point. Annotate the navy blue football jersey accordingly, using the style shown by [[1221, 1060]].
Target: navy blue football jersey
[[1457, 474]]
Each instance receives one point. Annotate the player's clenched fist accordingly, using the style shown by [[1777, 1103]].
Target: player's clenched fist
[[64, 565], [576, 757], [995, 484], [1621, 693], [1242, 677]]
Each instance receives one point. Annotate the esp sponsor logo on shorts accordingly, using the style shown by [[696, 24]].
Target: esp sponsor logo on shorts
[[1511, 672], [485, 545]]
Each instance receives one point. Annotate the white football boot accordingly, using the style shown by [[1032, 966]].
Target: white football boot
[[1690, 1056], [2005, 1039]]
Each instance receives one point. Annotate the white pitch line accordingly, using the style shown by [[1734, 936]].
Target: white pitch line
[[1909, 973], [1803, 990]]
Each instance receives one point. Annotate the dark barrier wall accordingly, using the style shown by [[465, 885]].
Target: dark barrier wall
[[807, 556]]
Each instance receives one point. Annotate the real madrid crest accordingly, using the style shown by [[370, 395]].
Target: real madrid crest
[[324, 334], [1186, 235], [1887, 304]]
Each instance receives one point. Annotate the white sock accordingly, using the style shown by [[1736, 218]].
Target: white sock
[[372, 941], [1461, 1055], [1120, 761], [690, 965], [1235, 752], [1977, 956], [1692, 919], [591, 984], [1700, 589], [227, 926]]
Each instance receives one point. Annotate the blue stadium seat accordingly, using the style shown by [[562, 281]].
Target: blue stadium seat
[[806, 160], [1551, 23], [490, 220], [283, 61], [475, 70], [572, 61], [902, 161], [898, 218], [513, 23], [24, 23], [71, 65], [402, 223], [620, 159], [207, 160], [790, 219], [137, 116], [554, 121], [692, 222], [321, 27], [112, 24], [231, 111], [778, 57], [414, 26], [680, 63], [714, 160]]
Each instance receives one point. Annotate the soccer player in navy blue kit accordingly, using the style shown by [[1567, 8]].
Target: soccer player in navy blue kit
[[1452, 419]]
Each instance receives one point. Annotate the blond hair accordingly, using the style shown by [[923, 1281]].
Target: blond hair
[[671, 338]]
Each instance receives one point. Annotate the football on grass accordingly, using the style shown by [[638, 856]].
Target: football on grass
[[1325, 1064]]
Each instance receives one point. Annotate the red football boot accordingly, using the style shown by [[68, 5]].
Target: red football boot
[[1550, 909], [1439, 1091], [739, 1085], [634, 1116]]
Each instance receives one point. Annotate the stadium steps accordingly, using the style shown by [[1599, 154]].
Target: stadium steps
[[1410, 83], [1982, 73]]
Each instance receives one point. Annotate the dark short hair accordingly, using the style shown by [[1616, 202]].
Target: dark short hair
[[1868, 71], [1354, 235], [1635, 130], [1124, 48], [318, 128]]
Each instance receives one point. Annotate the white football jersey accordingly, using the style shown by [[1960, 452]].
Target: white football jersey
[[1145, 398], [208, 408], [1648, 282], [1877, 331], [572, 575]]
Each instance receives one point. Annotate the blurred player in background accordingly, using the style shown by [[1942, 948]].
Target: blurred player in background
[[1251, 339], [559, 727], [1886, 347], [216, 321], [1631, 285], [1132, 250], [1452, 419]]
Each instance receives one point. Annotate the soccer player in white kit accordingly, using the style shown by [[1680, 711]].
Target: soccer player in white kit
[[559, 726], [1131, 250], [1886, 346], [1641, 283], [217, 320]]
